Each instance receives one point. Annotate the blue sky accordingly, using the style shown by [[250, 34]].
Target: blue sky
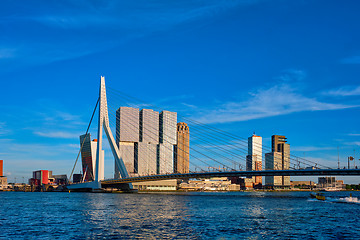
[[273, 67]]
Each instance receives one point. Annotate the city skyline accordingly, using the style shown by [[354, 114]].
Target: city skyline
[[242, 66]]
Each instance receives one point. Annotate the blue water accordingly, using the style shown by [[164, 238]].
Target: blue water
[[233, 215]]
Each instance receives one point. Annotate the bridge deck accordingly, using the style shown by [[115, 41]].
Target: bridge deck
[[303, 172]]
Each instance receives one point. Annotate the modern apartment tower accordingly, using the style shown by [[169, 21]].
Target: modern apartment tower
[[254, 157], [182, 149], [146, 148], [146, 140], [276, 142], [167, 142], [88, 157], [273, 161], [127, 134], [278, 159], [149, 126]]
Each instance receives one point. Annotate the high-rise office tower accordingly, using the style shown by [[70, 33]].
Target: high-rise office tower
[[146, 140], [167, 127], [275, 141], [146, 148], [167, 139], [127, 133], [88, 157], [254, 157], [273, 161], [145, 158], [149, 126], [165, 158], [279, 160], [284, 149], [182, 149]]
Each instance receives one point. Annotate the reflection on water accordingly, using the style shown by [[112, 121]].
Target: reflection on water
[[252, 215], [149, 216]]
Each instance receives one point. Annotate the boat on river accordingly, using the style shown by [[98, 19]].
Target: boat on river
[[332, 189], [318, 196]]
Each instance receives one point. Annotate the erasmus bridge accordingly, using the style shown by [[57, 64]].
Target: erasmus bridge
[[212, 153]]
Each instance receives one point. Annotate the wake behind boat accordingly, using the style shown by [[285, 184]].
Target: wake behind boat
[[321, 197]]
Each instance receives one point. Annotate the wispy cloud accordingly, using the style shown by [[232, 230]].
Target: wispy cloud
[[311, 148], [292, 75], [4, 130], [54, 117], [7, 53], [58, 134], [189, 105], [54, 38], [51, 151], [356, 143], [328, 161], [277, 100], [344, 91], [351, 60], [57, 124], [127, 14], [171, 99], [22, 158], [354, 134], [165, 103]]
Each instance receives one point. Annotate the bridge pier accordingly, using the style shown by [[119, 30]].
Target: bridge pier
[[123, 187], [85, 187]]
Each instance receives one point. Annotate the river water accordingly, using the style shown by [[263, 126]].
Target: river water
[[230, 215]]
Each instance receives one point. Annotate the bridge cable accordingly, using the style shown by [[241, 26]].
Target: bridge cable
[[82, 144]]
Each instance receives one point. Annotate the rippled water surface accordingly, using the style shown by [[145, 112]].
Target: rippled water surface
[[240, 215]]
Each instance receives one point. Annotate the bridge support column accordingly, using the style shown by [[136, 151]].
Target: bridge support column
[[104, 124]]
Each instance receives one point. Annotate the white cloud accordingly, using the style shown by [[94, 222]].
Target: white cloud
[[58, 134], [58, 124], [328, 161], [7, 53], [354, 134], [26, 151], [122, 15], [21, 159], [67, 116], [118, 22], [51, 117], [310, 148], [278, 100], [292, 75], [76, 146], [351, 60], [171, 99], [189, 105], [356, 143], [4, 130], [344, 91]]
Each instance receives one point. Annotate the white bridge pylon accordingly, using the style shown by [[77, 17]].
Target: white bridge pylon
[[103, 124]]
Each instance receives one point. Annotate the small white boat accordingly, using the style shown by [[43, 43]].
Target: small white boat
[[332, 189]]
